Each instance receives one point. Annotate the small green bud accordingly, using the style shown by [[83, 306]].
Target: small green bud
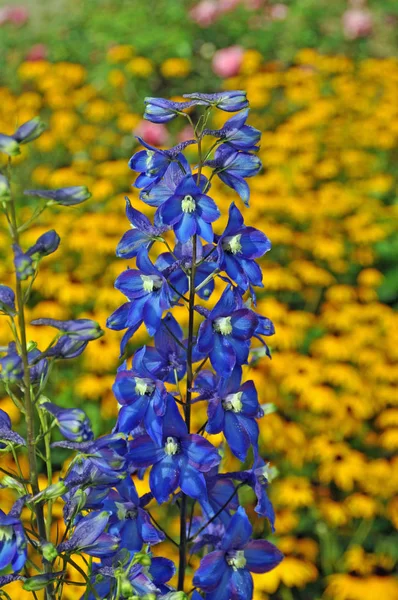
[[126, 587], [52, 492], [8, 145], [49, 551], [31, 346], [12, 484], [143, 559], [5, 194], [38, 582]]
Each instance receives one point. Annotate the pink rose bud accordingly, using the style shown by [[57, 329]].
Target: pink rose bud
[[37, 52], [227, 62], [155, 134], [357, 23], [205, 13]]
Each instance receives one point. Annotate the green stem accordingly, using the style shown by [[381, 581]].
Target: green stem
[[183, 509], [47, 446], [28, 403]]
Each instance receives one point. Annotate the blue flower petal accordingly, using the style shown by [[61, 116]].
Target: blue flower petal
[[165, 477], [236, 435], [211, 570], [238, 531], [192, 482], [262, 556]]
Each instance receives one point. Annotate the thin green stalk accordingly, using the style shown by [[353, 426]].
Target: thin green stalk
[[183, 509], [28, 402], [49, 467]]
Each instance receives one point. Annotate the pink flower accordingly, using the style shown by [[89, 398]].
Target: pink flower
[[37, 52], [357, 23], [227, 62], [17, 15], [225, 6], [155, 134], [278, 12], [205, 13]]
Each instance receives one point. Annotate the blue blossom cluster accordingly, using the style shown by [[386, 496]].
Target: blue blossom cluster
[[160, 385]]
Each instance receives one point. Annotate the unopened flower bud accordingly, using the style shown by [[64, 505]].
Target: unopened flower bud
[[126, 587], [52, 492], [49, 551], [7, 300], [29, 131], [12, 484], [4, 189], [68, 196], [8, 145], [143, 559]]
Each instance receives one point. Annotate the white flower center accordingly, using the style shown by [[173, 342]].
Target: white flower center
[[6, 533], [269, 472], [238, 561], [148, 283], [234, 246], [141, 386], [171, 446], [188, 204], [223, 325], [233, 402]]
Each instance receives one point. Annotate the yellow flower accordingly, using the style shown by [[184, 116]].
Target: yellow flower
[[116, 78], [140, 66], [292, 572], [119, 53], [175, 67]]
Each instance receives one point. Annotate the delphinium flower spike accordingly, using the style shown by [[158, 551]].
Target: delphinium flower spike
[[155, 409]]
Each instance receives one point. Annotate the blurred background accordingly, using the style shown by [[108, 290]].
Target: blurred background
[[322, 79]]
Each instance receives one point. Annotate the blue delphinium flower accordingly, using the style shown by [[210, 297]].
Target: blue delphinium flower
[[231, 101], [181, 460], [152, 163], [72, 422], [160, 110], [139, 580], [142, 234], [239, 246], [233, 167], [226, 332], [237, 134], [67, 196], [128, 520], [149, 295], [189, 211], [232, 408], [143, 400], [90, 537], [167, 359], [107, 453], [224, 574], [13, 541]]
